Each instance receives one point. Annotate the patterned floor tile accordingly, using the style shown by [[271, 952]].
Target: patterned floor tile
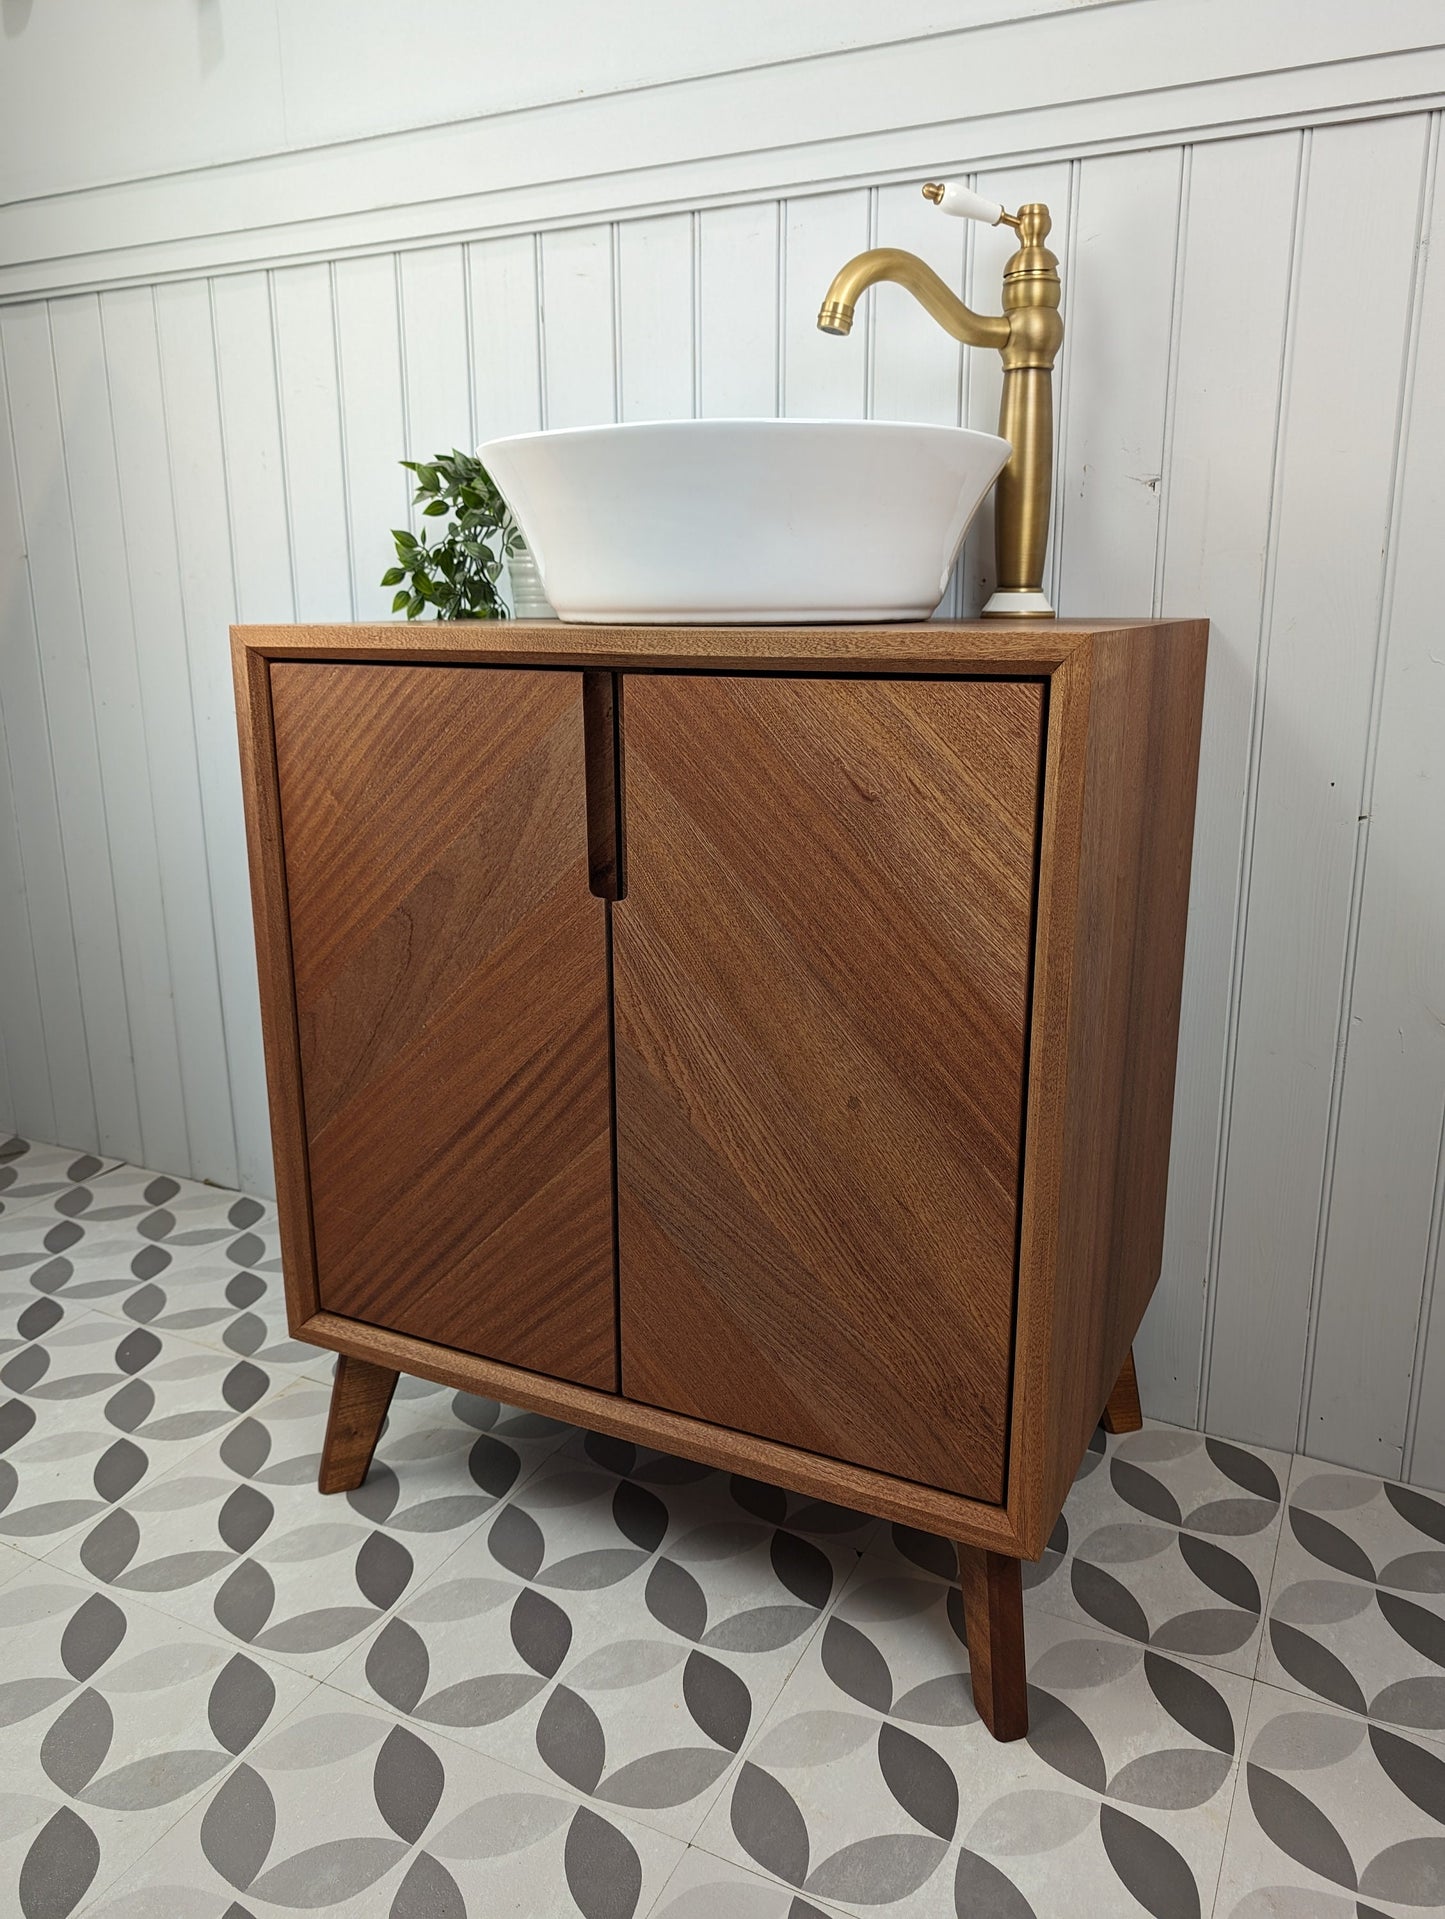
[[96, 1410], [1169, 1538], [111, 1724], [621, 1624], [705, 1887], [1357, 1606], [1335, 1818], [113, 1243], [872, 1781], [30, 1171], [345, 1810], [238, 1540]]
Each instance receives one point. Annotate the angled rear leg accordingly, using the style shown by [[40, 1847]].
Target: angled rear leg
[[1122, 1414], [360, 1395]]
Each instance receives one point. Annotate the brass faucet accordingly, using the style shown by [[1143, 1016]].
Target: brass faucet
[[1028, 335]]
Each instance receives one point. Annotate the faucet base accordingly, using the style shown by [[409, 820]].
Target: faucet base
[[1018, 603]]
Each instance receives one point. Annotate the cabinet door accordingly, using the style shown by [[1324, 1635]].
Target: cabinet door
[[821, 976], [451, 994]]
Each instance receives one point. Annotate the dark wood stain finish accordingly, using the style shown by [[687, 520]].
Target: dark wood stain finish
[[450, 980], [820, 984]]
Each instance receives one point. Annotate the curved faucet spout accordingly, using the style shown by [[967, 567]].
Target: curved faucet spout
[[908, 271]]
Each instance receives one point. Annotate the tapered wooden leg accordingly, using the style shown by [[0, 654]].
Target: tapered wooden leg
[[360, 1395], [993, 1618], [1122, 1414]]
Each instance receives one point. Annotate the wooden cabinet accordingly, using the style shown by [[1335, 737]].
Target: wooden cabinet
[[449, 966], [755, 1042], [821, 982]]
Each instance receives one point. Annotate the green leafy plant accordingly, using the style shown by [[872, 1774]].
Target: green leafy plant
[[457, 572]]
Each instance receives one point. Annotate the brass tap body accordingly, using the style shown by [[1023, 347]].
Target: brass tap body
[[1028, 335]]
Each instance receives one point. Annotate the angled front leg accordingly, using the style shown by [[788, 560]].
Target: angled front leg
[[1122, 1414], [360, 1395], [993, 1618]]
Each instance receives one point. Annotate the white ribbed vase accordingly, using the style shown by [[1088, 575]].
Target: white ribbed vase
[[529, 602]]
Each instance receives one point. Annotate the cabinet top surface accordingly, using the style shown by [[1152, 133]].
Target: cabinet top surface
[[958, 646]]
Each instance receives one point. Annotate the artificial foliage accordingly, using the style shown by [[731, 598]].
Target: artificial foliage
[[457, 572]]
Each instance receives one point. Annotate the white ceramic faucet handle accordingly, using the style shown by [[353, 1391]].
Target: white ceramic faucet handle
[[964, 203]]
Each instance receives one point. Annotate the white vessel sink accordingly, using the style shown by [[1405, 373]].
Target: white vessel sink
[[699, 521]]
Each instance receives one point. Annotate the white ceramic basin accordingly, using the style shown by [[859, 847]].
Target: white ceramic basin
[[696, 521]]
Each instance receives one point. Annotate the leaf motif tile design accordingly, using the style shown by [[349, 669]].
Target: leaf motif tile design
[[1168, 1537], [620, 1625], [111, 1724], [238, 1540], [1357, 1604], [1334, 1815], [873, 1783], [547, 1660], [345, 1809], [31, 1171], [705, 1887], [95, 1409]]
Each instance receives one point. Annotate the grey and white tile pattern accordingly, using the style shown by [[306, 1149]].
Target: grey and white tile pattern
[[526, 1670], [1357, 1612]]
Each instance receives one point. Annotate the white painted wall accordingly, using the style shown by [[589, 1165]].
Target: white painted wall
[[250, 256]]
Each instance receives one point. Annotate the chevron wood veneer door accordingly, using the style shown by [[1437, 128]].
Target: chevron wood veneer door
[[821, 978], [450, 973]]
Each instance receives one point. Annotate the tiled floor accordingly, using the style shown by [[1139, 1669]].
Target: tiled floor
[[527, 1671]]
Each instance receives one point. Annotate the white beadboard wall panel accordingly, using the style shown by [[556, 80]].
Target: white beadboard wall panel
[[1383, 1197], [200, 494], [656, 318], [153, 575], [251, 448], [40, 1008], [88, 453], [437, 353], [1111, 429], [309, 406], [1342, 390], [738, 311], [1244, 317], [579, 326], [51, 550], [506, 350], [373, 424], [1217, 494], [825, 377]]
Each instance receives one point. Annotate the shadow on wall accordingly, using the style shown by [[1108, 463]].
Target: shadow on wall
[[15, 16]]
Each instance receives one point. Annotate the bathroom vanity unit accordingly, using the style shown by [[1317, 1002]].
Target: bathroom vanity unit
[[756, 1042]]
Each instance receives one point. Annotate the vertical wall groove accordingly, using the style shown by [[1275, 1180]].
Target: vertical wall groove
[[1409, 361], [1256, 728]]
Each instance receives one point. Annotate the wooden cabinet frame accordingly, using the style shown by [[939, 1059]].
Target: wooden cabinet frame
[[1124, 701]]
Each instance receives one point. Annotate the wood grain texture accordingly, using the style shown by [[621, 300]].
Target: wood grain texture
[[360, 1394], [995, 647], [821, 983], [993, 1620], [1114, 890], [279, 1036], [898, 1500], [1122, 728], [450, 977], [1122, 1412]]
